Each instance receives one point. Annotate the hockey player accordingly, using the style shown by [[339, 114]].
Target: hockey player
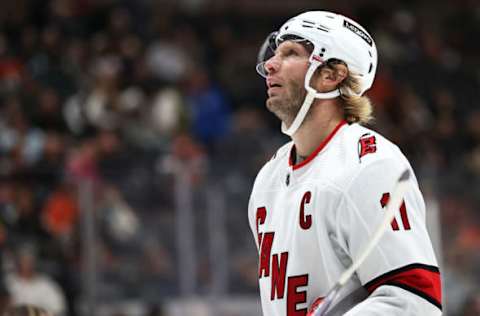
[[315, 204]]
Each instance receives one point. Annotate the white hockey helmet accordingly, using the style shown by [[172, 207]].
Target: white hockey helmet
[[333, 36]]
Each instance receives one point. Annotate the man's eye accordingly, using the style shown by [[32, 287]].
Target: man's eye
[[292, 52]]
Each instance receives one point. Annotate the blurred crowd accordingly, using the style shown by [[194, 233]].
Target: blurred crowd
[[116, 94]]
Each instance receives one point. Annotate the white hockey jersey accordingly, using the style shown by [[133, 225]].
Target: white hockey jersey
[[311, 219]]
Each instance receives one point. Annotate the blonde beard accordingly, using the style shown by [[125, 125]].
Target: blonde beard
[[286, 108]]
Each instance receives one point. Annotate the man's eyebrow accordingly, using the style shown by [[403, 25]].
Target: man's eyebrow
[[292, 45]]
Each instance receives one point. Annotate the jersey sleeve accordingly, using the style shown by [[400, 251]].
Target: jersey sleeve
[[401, 273], [393, 300]]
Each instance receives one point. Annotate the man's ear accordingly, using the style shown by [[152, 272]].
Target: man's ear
[[330, 77], [341, 72]]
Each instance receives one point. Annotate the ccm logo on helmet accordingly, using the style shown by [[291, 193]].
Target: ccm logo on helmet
[[358, 31]]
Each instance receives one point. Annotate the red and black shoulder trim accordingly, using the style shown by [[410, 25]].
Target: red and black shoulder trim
[[420, 279]]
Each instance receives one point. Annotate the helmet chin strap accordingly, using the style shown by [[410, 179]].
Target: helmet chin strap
[[312, 94]]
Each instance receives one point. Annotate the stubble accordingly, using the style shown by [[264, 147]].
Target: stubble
[[286, 107]]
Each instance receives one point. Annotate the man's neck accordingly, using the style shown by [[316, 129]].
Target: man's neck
[[299, 159], [320, 123]]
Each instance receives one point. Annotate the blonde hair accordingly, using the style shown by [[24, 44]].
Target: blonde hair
[[357, 108]]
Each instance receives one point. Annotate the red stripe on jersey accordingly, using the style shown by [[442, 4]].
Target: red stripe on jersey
[[316, 151], [420, 279]]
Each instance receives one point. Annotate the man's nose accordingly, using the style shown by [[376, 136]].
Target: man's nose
[[272, 65]]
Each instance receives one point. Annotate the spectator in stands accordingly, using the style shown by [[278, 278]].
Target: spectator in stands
[[60, 212], [210, 109], [26, 310], [28, 286]]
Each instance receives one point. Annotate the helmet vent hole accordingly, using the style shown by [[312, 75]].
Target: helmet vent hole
[[370, 69]]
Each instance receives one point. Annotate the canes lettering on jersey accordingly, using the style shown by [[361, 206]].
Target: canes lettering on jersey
[[275, 265]]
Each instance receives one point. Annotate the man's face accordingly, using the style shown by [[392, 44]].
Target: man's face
[[285, 80]]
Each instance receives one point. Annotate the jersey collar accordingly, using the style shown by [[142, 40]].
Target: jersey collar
[[316, 151]]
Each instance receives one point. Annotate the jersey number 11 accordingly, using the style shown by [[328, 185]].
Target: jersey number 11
[[403, 213]]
